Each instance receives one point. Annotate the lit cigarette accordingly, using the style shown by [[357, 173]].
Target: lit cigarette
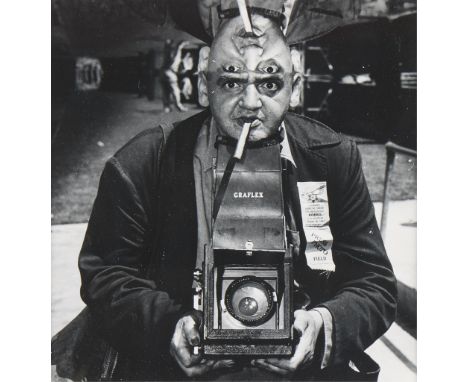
[[245, 15], [241, 142]]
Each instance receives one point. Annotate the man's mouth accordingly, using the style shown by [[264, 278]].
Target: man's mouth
[[242, 120], [256, 33]]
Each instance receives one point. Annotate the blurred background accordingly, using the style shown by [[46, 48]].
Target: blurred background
[[109, 82]]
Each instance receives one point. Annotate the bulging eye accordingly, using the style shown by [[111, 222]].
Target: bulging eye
[[269, 85], [231, 85], [231, 68], [270, 69]]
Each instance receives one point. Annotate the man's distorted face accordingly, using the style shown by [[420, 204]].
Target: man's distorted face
[[249, 78]]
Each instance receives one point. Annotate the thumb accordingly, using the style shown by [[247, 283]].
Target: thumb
[[191, 331], [224, 363], [300, 321]]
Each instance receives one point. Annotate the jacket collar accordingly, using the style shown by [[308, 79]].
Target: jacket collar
[[309, 133]]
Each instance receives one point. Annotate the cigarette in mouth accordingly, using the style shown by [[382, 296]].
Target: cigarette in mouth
[[243, 138], [241, 142], [244, 15]]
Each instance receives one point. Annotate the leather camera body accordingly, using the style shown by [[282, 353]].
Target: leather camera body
[[247, 283]]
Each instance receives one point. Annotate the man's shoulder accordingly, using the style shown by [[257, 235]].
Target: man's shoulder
[[139, 148], [186, 131], [334, 152], [310, 133], [144, 148]]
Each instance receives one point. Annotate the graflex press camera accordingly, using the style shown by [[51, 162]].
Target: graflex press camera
[[247, 276]]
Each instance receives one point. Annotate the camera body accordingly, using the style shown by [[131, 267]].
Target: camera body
[[247, 299]]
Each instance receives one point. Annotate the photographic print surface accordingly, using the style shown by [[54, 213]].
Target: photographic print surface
[[234, 189]]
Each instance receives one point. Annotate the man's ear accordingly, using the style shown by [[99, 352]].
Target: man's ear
[[296, 91], [202, 82], [298, 69]]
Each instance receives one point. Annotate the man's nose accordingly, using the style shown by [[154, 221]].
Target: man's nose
[[250, 98]]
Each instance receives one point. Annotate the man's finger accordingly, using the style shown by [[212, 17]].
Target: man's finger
[[205, 366], [194, 371], [224, 363], [207, 362], [182, 354], [282, 363], [191, 333], [301, 355], [261, 363], [303, 348], [180, 344], [300, 321]]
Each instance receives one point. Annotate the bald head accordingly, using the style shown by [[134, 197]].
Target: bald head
[[249, 76]]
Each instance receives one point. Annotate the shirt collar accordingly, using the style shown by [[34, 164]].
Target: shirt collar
[[285, 148], [205, 149]]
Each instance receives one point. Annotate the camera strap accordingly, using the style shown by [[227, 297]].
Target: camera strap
[[223, 186]]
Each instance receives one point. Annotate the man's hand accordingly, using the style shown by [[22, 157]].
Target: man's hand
[[186, 336], [308, 324]]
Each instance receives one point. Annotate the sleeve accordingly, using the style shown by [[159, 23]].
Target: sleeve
[[363, 287], [129, 311]]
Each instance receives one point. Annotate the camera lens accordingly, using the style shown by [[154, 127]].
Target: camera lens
[[249, 299], [248, 306]]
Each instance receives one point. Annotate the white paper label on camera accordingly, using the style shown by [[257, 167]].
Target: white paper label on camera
[[315, 221]]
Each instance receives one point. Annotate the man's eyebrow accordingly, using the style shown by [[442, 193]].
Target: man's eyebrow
[[244, 78], [257, 73], [241, 77]]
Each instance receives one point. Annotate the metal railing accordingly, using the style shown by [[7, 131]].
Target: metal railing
[[391, 149], [407, 296]]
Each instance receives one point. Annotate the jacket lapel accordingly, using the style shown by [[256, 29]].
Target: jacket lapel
[[308, 139], [178, 216]]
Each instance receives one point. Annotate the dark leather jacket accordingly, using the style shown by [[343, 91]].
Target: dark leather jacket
[[139, 250]]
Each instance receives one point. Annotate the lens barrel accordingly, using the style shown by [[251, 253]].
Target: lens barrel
[[249, 300]]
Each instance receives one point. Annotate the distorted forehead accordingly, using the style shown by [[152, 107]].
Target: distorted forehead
[[232, 47]]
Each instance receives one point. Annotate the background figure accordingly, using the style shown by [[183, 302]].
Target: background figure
[[185, 70], [187, 87], [169, 79], [187, 62]]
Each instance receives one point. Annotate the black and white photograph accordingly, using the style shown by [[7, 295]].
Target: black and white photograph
[[234, 190]]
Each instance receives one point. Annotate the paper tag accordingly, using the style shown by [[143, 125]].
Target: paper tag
[[314, 204], [318, 251], [315, 222]]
